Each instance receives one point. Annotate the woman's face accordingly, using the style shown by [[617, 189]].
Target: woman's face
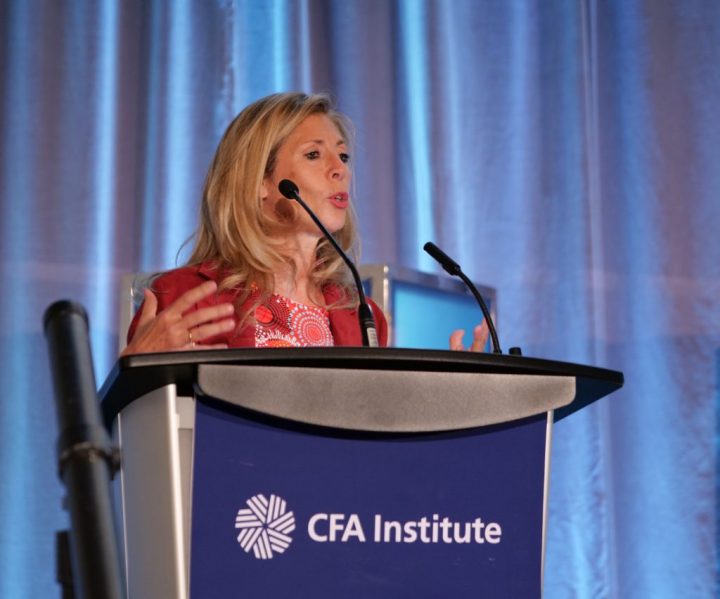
[[315, 158]]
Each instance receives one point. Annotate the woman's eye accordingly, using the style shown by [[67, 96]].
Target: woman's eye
[[314, 155], [345, 157]]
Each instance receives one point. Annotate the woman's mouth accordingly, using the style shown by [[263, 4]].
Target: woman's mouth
[[339, 200]]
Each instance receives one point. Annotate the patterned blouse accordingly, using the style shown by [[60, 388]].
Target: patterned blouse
[[282, 322]]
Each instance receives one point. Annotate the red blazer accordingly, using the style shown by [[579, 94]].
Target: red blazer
[[171, 285]]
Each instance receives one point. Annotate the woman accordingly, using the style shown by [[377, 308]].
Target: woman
[[261, 273]]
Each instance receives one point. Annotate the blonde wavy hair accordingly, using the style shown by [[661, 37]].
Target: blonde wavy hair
[[235, 232]]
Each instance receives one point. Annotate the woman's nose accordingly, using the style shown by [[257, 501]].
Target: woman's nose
[[338, 169]]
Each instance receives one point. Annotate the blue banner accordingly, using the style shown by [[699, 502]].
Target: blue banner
[[282, 510]]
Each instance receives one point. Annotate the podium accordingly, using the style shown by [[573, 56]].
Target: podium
[[338, 472]]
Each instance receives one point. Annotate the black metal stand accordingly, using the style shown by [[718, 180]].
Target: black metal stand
[[86, 459], [63, 564]]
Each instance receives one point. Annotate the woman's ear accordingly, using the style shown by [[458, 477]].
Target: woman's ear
[[265, 189]]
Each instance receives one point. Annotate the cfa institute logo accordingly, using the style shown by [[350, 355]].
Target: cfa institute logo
[[265, 526]]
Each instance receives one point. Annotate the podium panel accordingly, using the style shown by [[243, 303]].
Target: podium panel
[[286, 510]]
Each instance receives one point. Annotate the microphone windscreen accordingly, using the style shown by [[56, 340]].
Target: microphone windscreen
[[288, 189], [445, 261]]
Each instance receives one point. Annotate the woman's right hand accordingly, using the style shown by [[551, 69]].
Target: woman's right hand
[[177, 329]]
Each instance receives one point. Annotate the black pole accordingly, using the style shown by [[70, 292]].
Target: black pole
[[63, 567], [86, 459]]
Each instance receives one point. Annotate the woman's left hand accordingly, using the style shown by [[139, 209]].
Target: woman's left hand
[[480, 337]]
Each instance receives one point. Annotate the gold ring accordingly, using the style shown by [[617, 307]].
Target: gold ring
[[190, 339]]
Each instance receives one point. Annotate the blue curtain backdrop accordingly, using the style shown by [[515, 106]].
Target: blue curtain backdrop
[[566, 152]]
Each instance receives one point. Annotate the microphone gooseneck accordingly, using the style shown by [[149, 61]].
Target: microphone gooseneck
[[365, 315], [453, 268]]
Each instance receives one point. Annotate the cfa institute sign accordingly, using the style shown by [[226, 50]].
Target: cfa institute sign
[[304, 514], [324, 528], [266, 525]]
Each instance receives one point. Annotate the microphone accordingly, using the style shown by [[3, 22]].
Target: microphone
[[453, 268], [365, 315]]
